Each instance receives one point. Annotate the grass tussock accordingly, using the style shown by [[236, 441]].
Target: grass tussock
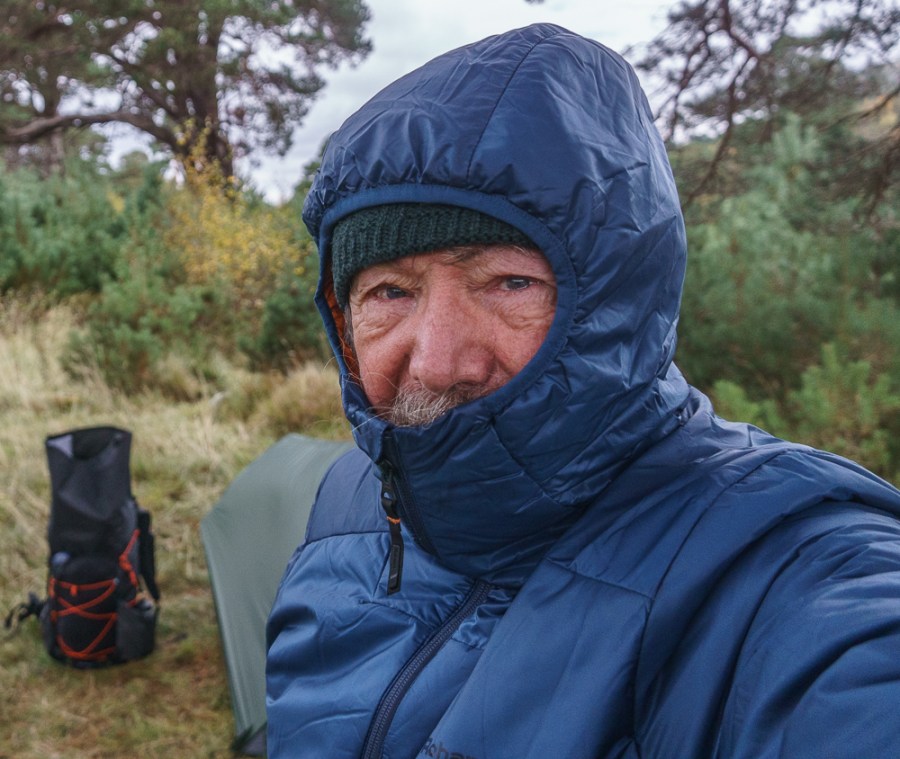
[[184, 454]]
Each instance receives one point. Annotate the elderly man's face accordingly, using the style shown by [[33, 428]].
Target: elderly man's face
[[435, 330]]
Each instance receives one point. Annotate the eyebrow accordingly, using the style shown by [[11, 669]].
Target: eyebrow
[[462, 253]]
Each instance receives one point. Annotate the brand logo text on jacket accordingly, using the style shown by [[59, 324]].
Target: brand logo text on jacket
[[438, 751]]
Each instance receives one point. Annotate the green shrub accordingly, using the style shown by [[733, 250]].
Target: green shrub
[[845, 407], [291, 331], [136, 325], [62, 235], [731, 402], [841, 405]]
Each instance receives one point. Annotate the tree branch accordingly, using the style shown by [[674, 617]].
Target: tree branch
[[724, 142], [42, 127], [135, 74], [733, 34]]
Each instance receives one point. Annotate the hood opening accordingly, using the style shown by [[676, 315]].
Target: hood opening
[[340, 322]]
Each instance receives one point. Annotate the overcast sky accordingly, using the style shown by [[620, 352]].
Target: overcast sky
[[407, 33]]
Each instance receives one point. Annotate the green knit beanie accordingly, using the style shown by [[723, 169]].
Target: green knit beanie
[[383, 233]]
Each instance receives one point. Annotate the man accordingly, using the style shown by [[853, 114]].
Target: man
[[547, 545]]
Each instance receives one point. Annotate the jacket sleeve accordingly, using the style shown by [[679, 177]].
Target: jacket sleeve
[[819, 671]]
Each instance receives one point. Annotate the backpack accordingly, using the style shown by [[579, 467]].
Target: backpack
[[101, 545]]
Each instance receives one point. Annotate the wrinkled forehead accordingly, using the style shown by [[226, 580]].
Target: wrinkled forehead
[[463, 254]]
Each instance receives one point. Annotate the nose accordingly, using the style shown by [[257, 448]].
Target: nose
[[451, 343]]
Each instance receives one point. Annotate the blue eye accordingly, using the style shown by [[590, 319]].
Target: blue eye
[[516, 283], [390, 292]]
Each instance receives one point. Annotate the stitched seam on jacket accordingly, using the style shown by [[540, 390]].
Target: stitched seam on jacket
[[503, 92], [712, 503], [343, 535], [577, 573]]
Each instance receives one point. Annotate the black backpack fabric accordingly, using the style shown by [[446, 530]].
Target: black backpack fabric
[[101, 545]]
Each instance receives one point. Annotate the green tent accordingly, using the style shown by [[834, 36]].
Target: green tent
[[248, 537]]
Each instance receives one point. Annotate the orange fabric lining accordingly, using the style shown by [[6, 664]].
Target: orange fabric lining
[[339, 322]]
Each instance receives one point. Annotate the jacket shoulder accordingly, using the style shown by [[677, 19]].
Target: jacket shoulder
[[348, 499], [818, 674]]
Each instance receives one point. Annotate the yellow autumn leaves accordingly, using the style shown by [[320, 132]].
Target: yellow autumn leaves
[[224, 236]]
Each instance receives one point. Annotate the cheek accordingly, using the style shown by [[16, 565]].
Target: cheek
[[380, 365], [522, 337], [520, 349], [378, 352]]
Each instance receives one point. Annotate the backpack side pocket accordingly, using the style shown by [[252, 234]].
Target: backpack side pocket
[[136, 629]]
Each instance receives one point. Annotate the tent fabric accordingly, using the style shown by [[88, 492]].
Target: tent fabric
[[248, 538]]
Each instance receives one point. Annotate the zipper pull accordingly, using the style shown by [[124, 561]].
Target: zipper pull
[[395, 558]]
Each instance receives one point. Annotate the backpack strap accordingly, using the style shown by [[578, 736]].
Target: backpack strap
[[147, 553], [22, 611]]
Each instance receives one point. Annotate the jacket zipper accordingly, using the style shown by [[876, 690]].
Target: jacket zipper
[[393, 493], [390, 700], [410, 510], [395, 554]]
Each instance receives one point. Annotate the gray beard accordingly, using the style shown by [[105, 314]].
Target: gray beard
[[417, 406]]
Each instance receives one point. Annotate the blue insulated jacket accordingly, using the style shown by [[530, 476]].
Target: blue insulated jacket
[[595, 565]]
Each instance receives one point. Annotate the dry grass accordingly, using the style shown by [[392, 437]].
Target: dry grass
[[174, 703], [305, 400]]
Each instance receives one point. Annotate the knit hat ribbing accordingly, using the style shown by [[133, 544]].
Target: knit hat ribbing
[[384, 233]]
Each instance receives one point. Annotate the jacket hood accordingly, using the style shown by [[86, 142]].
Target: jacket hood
[[549, 132]]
